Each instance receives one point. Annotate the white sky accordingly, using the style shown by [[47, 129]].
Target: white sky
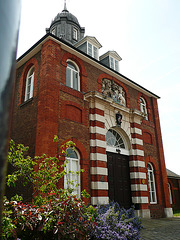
[[145, 33]]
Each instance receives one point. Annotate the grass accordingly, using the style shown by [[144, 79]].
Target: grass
[[176, 213]]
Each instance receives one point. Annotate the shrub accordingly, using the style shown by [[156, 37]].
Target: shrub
[[114, 223], [55, 213], [59, 219], [43, 172]]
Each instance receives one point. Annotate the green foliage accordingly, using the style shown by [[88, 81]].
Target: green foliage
[[43, 172], [176, 213], [8, 226], [59, 219], [55, 212]]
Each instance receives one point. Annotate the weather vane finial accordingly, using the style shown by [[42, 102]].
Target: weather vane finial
[[65, 8]]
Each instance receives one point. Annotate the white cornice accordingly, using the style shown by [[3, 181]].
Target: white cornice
[[89, 39], [113, 54]]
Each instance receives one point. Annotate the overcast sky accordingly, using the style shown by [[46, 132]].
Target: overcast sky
[[145, 33]]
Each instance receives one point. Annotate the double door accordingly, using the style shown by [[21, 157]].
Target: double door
[[119, 179]]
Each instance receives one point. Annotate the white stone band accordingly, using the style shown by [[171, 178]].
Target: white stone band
[[137, 175], [99, 185], [98, 156], [137, 152], [136, 130], [138, 187], [137, 141], [137, 163], [99, 171], [99, 130], [96, 117], [140, 200], [97, 143], [99, 200]]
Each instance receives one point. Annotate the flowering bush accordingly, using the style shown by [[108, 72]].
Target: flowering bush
[[67, 219], [42, 172], [126, 215], [114, 223], [55, 213]]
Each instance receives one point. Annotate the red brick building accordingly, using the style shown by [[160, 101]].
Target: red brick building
[[174, 189], [63, 87]]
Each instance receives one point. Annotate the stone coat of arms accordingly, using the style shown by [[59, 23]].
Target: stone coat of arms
[[114, 91]]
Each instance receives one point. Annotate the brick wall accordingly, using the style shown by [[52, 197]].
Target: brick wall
[[175, 192], [58, 109]]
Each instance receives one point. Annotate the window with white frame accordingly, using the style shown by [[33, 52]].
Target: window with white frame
[[72, 76], [75, 34], [29, 84], [72, 168], [54, 31], [151, 182], [92, 51], [143, 107], [113, 139], [114, 64], [170, 194]]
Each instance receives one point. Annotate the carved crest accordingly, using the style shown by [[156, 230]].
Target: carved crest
[[114, 91]]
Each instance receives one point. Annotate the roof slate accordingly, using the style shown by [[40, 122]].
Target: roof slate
[[171, 174]]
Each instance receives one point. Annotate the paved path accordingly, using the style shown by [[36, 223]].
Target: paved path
[[161, 229]]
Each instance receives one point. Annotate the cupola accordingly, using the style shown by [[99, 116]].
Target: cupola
[[66, 26]]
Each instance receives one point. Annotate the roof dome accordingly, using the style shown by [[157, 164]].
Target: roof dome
[[66, 26], [65, 14]]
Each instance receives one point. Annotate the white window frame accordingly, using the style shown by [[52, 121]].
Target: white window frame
[[115, 148], [143, 107], [92, 50], [152, 185], [54, 31], [75, 33], [71, 75], [170, 193], [29, 84], [114, 139], [114, 64], [72, 175]]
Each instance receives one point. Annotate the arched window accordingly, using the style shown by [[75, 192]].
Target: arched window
[[72, 168], [170, 194], [151, 182], [113, 139], [72, 76], [29, 84], [143, 107]]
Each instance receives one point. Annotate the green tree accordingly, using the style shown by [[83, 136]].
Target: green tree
[[43, 172], [55, 212]]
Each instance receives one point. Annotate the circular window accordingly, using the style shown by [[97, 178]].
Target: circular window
[[113, 139]]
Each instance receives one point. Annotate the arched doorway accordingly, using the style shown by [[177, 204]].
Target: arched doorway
[[118, 169]]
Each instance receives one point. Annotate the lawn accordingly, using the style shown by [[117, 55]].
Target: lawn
[[176, 213]]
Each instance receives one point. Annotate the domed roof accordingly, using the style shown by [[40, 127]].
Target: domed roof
[[65, 14], [66, 26]]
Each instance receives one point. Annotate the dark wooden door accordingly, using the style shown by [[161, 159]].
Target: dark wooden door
[[119, 179]]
